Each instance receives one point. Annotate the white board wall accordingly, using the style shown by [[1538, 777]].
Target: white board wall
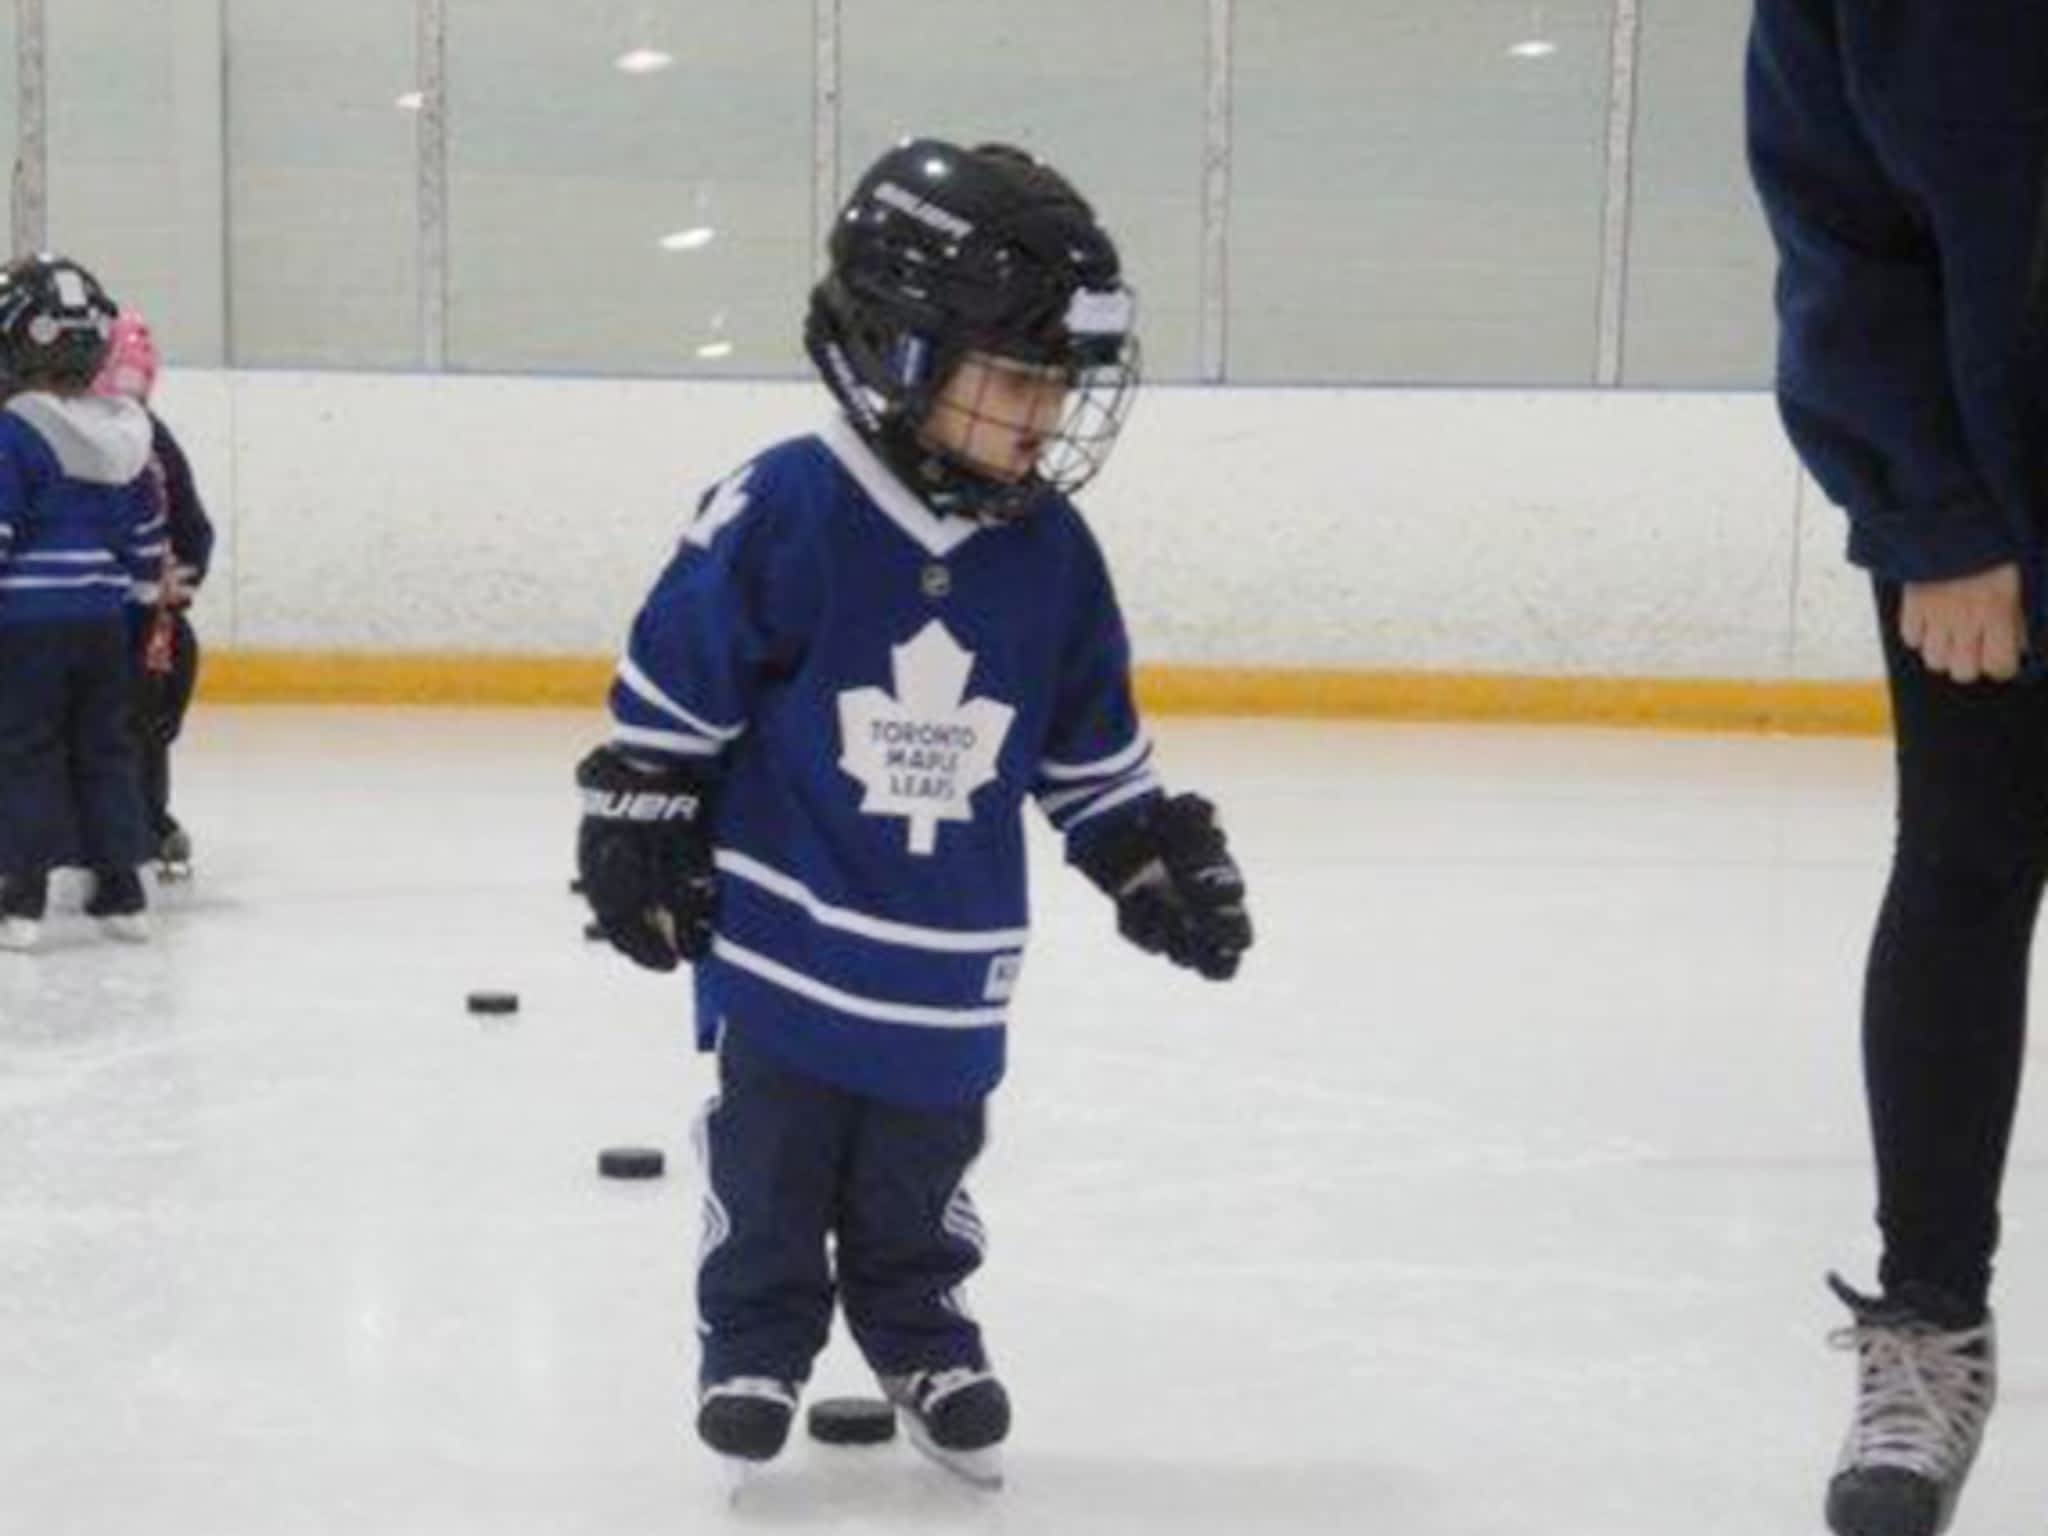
[[1553, 532]]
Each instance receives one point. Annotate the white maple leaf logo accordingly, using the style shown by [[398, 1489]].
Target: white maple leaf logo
[[924, 752]]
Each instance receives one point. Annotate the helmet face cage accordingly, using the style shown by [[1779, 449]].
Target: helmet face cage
[[1070, 450], [1098, 401]]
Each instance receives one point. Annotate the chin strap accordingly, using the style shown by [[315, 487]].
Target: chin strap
[[948, 487]]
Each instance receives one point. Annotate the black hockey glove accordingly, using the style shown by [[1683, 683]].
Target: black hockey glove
[[1177, 890], [644, 855]]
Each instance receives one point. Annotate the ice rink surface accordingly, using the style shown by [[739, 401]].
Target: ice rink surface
[[1493, 1200]]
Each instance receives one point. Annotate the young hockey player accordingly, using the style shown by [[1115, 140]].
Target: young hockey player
[[167, 660], [872, 645], [79, 533]]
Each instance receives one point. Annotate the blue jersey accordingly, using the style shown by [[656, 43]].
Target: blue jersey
[[82, 526], [877, 690]]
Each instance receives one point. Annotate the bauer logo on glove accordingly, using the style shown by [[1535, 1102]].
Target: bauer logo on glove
[[643, 858], [639, 805]]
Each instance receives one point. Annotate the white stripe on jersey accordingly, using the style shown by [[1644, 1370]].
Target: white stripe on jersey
[[665, 741], [1101, 768], [1144, 784], [643, 687], [64, 583], [885, 1012], [945, 941], [1052, 805], [65, 557]]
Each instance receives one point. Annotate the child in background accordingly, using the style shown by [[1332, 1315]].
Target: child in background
[[80, 534], [874, 644], [167, 660]]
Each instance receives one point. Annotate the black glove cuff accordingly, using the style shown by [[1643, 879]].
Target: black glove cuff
[[1155, 832], [1113, 857]]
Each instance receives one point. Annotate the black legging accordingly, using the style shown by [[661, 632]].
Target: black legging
[[1944, 1019], [160, 706]]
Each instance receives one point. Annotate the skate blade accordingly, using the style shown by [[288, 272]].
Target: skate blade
[[981, 1469], [735, 1476]]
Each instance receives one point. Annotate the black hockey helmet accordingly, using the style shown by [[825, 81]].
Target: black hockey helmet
[[55, 323], [944, 251]]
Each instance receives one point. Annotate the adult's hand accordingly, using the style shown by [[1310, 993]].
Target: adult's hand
[[1971, 628]]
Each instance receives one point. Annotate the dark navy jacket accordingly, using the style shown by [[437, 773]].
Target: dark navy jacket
[[191, 530], [1900, 148]]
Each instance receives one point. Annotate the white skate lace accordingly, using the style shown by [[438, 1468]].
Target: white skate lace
[[752, 1386], [1923, 1398], [925, 1390], [937, 1386]]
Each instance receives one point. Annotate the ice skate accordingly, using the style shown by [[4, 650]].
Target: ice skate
[[959, 1418], [120, 905], [745, 1420], [1926, 1379], [23, 900], [173, 853]]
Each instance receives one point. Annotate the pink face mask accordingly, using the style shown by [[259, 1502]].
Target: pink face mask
[[131, 366]]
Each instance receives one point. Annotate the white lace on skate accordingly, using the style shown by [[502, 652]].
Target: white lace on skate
[[753, 1386], [919, 1393], [928, 1389], [1923, 1395]]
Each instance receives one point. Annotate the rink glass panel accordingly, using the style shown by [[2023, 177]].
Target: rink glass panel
[[566, 174], [322, 183], [133, 169], [1413, 202], [1111, 94], [1417, 193], [10, 97], [1700, 263]]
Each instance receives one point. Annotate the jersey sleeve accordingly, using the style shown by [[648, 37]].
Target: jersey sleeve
[[721, 619], [145, 535], [191, 530], [1097, 759], [13, 501]]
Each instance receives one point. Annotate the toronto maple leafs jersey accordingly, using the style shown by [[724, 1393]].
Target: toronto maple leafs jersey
[[878, 690]]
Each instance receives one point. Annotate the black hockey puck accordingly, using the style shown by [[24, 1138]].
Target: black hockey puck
[[593, 933], [494, 1002], [631, 1163], [575, 887], [852, 1421]]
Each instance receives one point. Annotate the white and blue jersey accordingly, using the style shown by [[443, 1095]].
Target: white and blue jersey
[[877, 690], [82, 529]]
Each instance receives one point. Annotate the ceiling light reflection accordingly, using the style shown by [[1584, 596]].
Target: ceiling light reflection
[[643, 61]]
